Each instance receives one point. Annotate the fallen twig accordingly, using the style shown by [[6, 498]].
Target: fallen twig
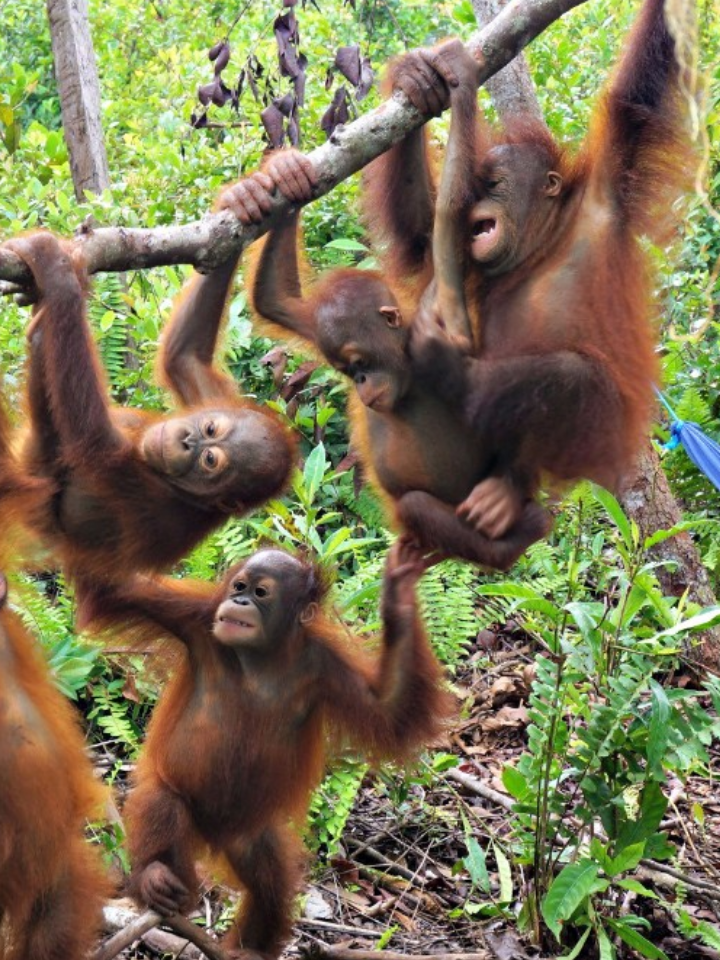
[[129, 934], [477, 786], [345, 953], [208, 242], [141, 925], [710, 888]]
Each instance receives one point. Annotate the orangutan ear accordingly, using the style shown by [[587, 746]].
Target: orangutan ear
[[308, 614], [392, 315], [553, 184]]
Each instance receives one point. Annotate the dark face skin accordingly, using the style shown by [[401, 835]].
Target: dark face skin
[[264, 600], [208, 453], [363, 337], [516, 192]]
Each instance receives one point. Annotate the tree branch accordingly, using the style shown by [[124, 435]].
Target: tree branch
[[208, 242]]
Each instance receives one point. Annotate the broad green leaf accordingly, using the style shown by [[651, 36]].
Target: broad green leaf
[[635, 940], [541, 606], [616, 514], [463, 13], [475, 864], [575, 952], [627, 859], [515, 782], [507, 590], [607, 950], [505, 874], [659, 730], [345, 243], [569, 889], [333, 544], [636, 887], [707, 618], [314, 471], [586, 615], [652, 809]]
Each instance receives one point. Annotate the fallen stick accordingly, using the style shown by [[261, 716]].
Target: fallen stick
[[139, 926]]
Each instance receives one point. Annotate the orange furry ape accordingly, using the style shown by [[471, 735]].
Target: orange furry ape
[[530, 261], [52, 884], [548, 267], [129, 490], [237, 741]]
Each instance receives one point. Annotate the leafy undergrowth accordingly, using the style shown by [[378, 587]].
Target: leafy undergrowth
[[426, 864]]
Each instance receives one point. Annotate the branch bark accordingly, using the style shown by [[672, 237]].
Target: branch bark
[[511, 90], [208, 242]]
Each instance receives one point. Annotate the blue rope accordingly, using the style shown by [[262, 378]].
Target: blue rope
[[676, 425]]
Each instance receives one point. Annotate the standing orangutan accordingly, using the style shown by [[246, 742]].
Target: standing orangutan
[[237, 741], [555, 280], [130, 490], [51, 881]]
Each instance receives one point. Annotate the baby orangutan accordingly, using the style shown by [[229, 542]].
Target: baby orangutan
[[237, 741]]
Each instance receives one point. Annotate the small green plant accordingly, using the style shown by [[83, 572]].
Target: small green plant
[[603, 734], [332, 802]]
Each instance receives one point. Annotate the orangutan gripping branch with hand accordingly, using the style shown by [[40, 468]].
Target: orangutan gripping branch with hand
[[551, 281], [129, 490]]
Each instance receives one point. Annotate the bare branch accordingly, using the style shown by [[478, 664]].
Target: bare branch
[[208, 242], [139, 926]]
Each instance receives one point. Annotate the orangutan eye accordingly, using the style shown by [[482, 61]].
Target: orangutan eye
[[210, 429], [239, 586], [261, 592], [210, 460]]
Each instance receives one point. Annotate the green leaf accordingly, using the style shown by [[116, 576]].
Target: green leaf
[[616, 514], [463, 13], [507, 590], [636, 887], [314, 471], [627, 859], [569, 889], [505, 874], [708, 618], [607, 950], [653, 805], [586, 615], [345, 243], [708, 933], [659, 730], [515, 783], [635, 940], [475, 864], [575, 952]]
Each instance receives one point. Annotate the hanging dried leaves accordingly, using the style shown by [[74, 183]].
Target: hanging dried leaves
[[281, 116], [355, 69], [337, 113]]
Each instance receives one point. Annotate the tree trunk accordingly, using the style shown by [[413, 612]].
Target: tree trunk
[[79, 89], [648, 499], [512, 90]]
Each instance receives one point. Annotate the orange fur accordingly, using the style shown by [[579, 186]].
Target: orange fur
[[238, 739], [52, 884]]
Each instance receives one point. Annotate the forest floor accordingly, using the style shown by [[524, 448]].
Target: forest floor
[[398, 886]]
